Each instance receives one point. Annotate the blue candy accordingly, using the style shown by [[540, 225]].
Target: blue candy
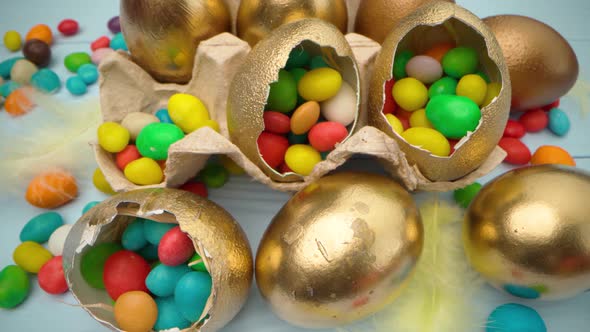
[[76, 86], [155, 230], [40, 228], [46, 80], [149, 252], [163, 116], [89, 206], [88, 73], [163, 279], [559, 122], [6, 66], [515, 317], [7, 88], [191, 294], [168, 315], [118, 42], [134, 236]]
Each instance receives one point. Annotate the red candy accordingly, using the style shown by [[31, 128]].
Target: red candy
[[129, 154], [272, 147], [325, 135], [389, 106], [284, 169], [125, 271], [101, 42], [452, 142], [514, 129], [175, 247], [197, 188], [518, 153], [276, 122], [68, 27], [51, 277], [551, 106], [534, 120]]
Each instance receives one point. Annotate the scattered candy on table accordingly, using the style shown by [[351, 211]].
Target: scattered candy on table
[[41, 32], [17, 103], [465, 195], [22, 71], [101, 183], [12, 40], [51, 277], [518, 153], [38, 52], [100, 42], [56, 242], [68, 27], [52, 189], [515, 317], [76, 86], [31, 256], [46, 80], [41, 227], [73, 61], [549, 154], [534, 120], [14, 286], [559, 123], [118, 42], [88, 73], [114, 24]]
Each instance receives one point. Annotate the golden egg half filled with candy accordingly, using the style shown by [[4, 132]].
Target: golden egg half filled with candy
[[528, 232], [339, 250], [440, 88], [163, 35]]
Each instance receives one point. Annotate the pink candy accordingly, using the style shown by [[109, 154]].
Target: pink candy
[[424, 68], [100, 54]]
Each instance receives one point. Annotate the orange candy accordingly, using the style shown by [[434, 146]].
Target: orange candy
[[136, 311], [52, 189], [17, 103], [549, 154], [41, 32], [438, 51]]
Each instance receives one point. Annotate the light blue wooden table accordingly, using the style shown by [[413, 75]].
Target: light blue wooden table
[[251, 203]]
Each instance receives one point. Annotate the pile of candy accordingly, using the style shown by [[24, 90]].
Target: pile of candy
[[439, 95], [309, 110]]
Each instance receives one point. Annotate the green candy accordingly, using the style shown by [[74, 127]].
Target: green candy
[[297, 58], [155, 139], [282, 96], [444, 86], [297, 75], [14, 286], [464, 196], [453, 116], [318, 61], [460, 61], [93, 260], [197, 264], [484, 76], [399, 64], [73, 61], [214, 175], [297, 139]]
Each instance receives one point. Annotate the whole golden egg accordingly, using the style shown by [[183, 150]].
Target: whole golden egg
[[339, 250], [257, 18], [163, 35], [543, 66], [528, 232]]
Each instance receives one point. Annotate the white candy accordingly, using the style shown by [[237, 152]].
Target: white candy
[[57, 240], [22, 71], [136, 121], [341, 108], [424, 68]]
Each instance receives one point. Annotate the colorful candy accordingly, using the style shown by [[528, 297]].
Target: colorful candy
[[51, 277], [73, 61], [169, 315], [428, 139], [163, 116], [424, 68], [89, 206], [419, 119], [197, 188], [453, 116], [93, 262], [163, 279], [113, 137], [282, 95], [114, 24], [68, 27], [278, 123], [197, 263], [40, 228], [272, 148], [549, 154], [136, 311], [31, 256], [410, 94], [37, 52], [302, 158], [515, 317], [320, 84], [76, 86], [98, 55], [444, 86], [22, 71], [341, 108], [100, 182], [127, 155], [56, 242], [17, 103], [6, 66], [401, 61], [155, 139], [7, 88], [133, 237], [175, 247], [125, 271], [465, 195], [559, 123], [14, 286], [12, 40], [514, 129], [460, 61], [395, 123], [191, 294], [518, 153], [88, 73], [100, 42], [154, 231], [389, 106], [187, 112], [214, 175], [473, 87], [534, 120], [52, 189], [325, 135], [41, 32], [438, 51], [118, 42], [492, 92], [144, 171], [46, 80]]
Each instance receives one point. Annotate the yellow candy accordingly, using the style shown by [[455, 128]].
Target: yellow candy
[[113, 137], [473, 87], [100, 182], [144, 171], [302, 158], [187, 112], [410, 94], [428, 139], [492, 92], [395, 123], [211, 124], [319, 84], [419, 119], [231, 166], [31, 256], [12, 40]]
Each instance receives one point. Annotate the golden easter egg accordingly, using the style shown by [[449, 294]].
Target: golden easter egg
[[339, 250], [528, 232], [542, 64], [216, 235], [435, 24], [163, 35], [257, 18]]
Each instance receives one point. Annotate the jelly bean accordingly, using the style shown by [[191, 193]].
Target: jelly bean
[[22, 71], [389, 106], [320, 84], [191, 294], [483, 75], [143, 172], [284, 169], [231, 166], [12, 40], [419, 119], [549, 154], [133, 237], [100, 54], [127, 155], [14, 286], [302, 158], [272, 148], [297, 74], [51, 189], [473, 87], [465, 195], [424, 68], [410, 94], [438, 51], [149, 252], [163, 116], [100, 42], [155, 139], [453, 116], [41, 32], [31, 256], [118, 42], [214, 175], [517, 152], [197, 188], [325, 135], [318, 61], [444, 86], [101, 183], [17, 103], [282, 95], [343, 107], [492, 92], [40, 228], [428, 139], [395, 123], [187, 112], [6, 66], [88, 73], [7, 88], [58, 239], [135, 122], [89, 206], [68, 27], [515, 317], [155, 230], [298, 57], [51, 277], [113, 137], [196, 263], [114, 24], [76, 86], [175, 247], [37, 52], [125, 271], [460, 61], [93, 261], [304, 117], [453, 143], [169, 315], [73, 61], [277, 123], [534, 120], [400, 62], [559, 123], [163, 279], [135, 311], [46, 80], [514, 129], [297, 139], [551, 106]]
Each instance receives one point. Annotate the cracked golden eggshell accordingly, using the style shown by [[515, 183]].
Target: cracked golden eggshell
[[257, 18], [163, 35], [427, 26], [250, 87], [528, 232], [339, 250], [216, 235], [543, 66]]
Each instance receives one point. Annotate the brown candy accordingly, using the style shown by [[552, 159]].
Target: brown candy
[[37, 52]]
